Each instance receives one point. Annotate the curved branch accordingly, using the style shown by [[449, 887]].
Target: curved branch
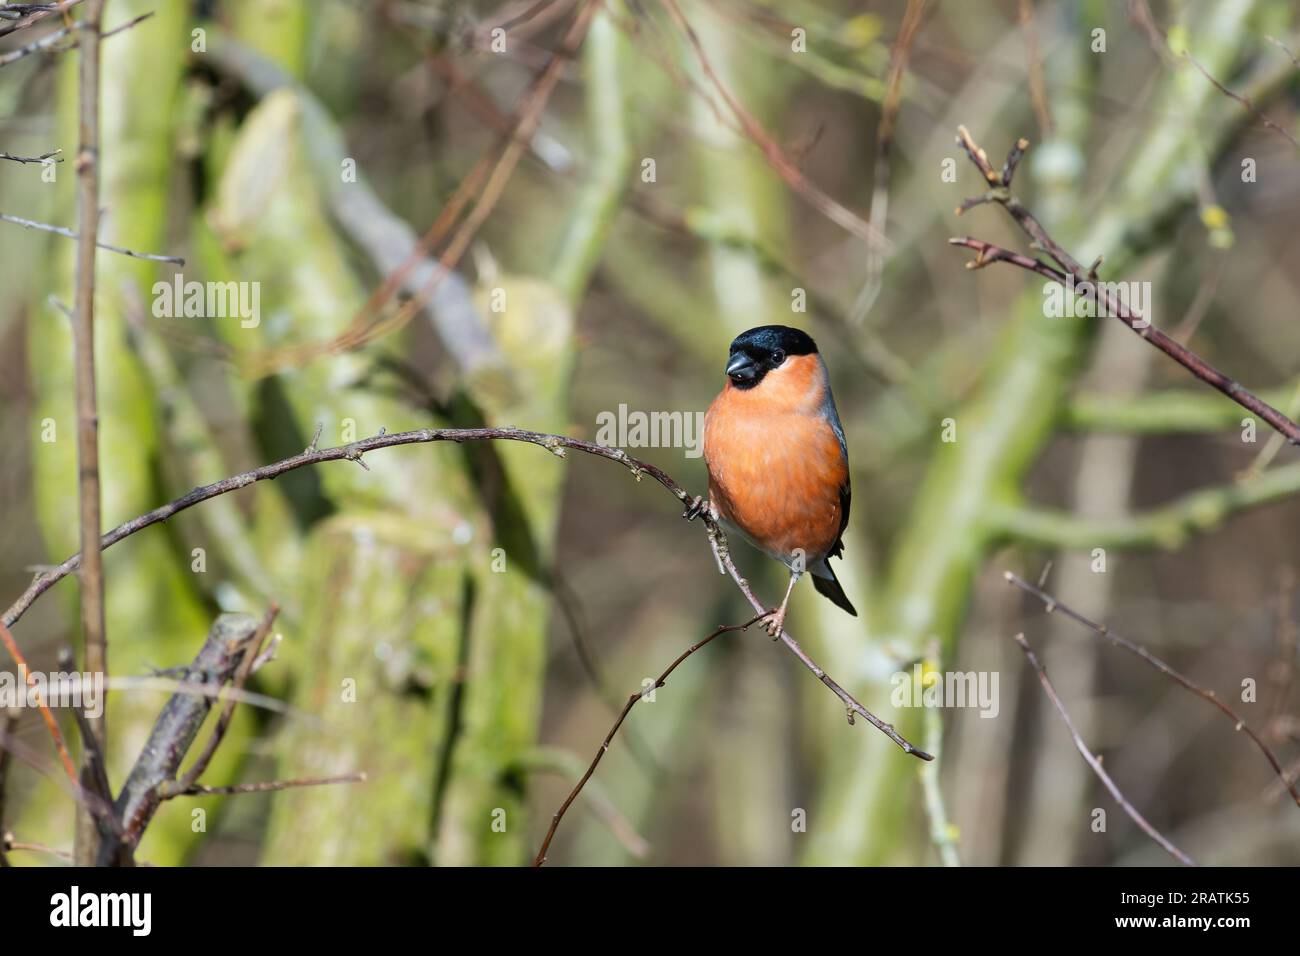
[[1088, 285], [556, 444]]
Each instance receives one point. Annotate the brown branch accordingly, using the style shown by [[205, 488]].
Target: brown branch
[[232, 644], [1037, 85], [7, 721], [237, 682], [1243, 100], [93, 632], [1095, 762], [878, 216], [70, 234], [1088, 286], [47, 42], [618, 722], [782, 164], [37, 16], [556, 444], [1102, 630], [7, 638]]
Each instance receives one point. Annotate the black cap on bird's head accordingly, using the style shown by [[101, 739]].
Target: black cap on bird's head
[[758, 351]]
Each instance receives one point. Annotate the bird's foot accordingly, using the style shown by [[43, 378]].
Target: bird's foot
[[774, 621], [695, 507]]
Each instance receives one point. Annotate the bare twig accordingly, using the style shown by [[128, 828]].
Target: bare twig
[[1095, 763], [1088, 286], [37, 16], [70, 234], [1101, 630], [42, 159], [556, 444], [7, 721], [47, 42], [618, 722], [1037, 86], [231, 645], [7, 638], [1243, 100], [878, 216], [94, 635], [237, 682], [834, 211], [198, 790]]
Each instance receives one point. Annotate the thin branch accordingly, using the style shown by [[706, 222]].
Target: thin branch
[[229, 649], [1101, 630], [198, 790], [8, 842], [1095, 762], [943, 833], [37, 16], [237, 682], [93, 631], [1088, 286], [618, 722], [556, 444], [7, 638], [70, 234], [47, 42], [7, 721], [1243, 100], [878, 216], [42, 159], [834, 211]]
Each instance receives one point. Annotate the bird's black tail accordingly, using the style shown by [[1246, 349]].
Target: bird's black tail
[[829, 587]]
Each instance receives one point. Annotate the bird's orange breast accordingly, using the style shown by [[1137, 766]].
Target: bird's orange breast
[[776, 466]]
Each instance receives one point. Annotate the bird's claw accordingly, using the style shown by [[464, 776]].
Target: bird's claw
[[774, 622], [695, 507]]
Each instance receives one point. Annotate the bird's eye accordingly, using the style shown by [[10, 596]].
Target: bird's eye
[[777, 358]]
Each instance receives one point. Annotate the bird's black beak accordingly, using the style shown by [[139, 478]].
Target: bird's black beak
[[741, 368]]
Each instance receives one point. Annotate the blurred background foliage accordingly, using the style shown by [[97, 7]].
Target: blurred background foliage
[[494, 605]]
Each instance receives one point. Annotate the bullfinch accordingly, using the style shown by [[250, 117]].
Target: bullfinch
[[777, 460]]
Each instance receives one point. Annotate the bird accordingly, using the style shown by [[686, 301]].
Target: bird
[[777, 460]]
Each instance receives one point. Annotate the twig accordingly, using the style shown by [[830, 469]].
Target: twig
[[943, 833], [1243, 100], [246, 664], [849, 221], [42, 159], [1089, 287], [7, 721], [199, 790], [1095, 763], [878, 216], [231, 645], [93, 631], [1037, 86], [618, 722], [556, 444], [69, 234], [7, 638], [9, 843], [1101, 630], [37, 16], [47, 42]]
